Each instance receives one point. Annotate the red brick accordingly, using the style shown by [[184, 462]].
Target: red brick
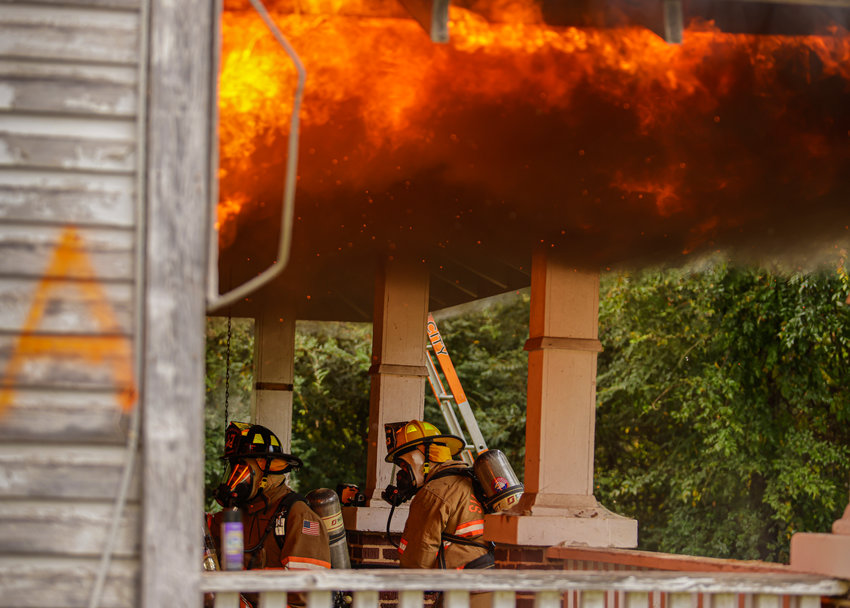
[[532, 555], [524, 602], [370, 552], [390, 553], [373, 539]]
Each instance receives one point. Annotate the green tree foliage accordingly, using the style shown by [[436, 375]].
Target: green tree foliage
[[723, 401], [331, 403], [486, 348]]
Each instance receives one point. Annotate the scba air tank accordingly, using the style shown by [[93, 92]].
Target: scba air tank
[[325, 503], [502, 488]]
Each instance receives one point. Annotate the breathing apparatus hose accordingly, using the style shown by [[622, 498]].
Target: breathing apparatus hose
[[389, 519], [393, 495]]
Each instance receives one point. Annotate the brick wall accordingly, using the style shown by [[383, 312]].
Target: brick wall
[[371, 550], [517, 557]]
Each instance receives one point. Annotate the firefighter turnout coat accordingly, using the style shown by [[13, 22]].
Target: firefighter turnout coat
[[445, 504], [297, 540]]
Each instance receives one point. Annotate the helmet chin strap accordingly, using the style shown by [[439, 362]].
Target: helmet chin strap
[[265, 482], [426, 466]]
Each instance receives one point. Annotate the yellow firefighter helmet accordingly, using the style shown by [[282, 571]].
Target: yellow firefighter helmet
[[403, 437]]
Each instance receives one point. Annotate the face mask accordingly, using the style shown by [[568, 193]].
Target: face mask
[[238, 485], [405, 486]]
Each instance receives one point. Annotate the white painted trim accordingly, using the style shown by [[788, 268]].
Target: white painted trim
[[177, 202], [525, 580]]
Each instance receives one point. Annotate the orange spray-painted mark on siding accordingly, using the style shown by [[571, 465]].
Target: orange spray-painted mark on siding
[[70, 260]]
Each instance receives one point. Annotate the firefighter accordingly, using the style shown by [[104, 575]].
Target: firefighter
[[445, 523], [280, 529]]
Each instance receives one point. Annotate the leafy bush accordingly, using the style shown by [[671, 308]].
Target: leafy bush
[[330, 420], [722, 402]]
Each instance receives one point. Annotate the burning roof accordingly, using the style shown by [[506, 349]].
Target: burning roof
[[605, 144]]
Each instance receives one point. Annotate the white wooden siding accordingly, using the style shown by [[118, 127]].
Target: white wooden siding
[[26, 249], [71, 89], [53, 197], [69, 157], [69, 528], [69, 310], [36, 582], [83, 34], [34, 472], [61, 373], [44, 416]]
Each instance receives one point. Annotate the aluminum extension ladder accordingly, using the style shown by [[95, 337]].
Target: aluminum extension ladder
[[455, 397]]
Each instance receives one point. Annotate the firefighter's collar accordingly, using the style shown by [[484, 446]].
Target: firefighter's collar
[[267, 498], [442, 466]]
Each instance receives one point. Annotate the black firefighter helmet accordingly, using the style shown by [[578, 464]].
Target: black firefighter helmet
[[253, 453]]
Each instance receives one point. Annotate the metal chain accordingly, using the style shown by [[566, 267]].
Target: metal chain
[[227, 373]]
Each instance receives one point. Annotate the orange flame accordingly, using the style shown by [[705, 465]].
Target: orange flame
[[378, 85]]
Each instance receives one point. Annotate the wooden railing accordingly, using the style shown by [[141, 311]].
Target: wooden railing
[[549, 589]]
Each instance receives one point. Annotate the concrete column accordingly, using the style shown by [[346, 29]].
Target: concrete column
[[824, 554], [274, 370], [398, 378], [558, 504], [561, 401]]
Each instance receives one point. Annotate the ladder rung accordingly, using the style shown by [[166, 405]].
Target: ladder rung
[[447, 400]]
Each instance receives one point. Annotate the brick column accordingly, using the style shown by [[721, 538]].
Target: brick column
[[558, 504], [398, 379], [274, 371]]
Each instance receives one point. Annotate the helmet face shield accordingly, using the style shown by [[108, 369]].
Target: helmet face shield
[[253, 454], [241, 483], [405, 486], [405, 479]]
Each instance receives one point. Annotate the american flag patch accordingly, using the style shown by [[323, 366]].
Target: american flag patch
[[311, 528]]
